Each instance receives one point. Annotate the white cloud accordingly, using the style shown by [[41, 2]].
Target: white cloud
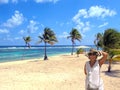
[[37, 1], [8, 38], [80, 25], [42, 1], [98, 11], [14, 1], [104, 24], [11, 1], [4, 31], [68, 23], [21, 32], [17, 38], [42, 25], [92, 12], [4, 1], [81, 13], [16, 20], [87, 27], [64, 35], [62, 24], [32, 27]]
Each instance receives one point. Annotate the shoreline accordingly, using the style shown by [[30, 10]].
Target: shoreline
[[33, 59], [60, 72]]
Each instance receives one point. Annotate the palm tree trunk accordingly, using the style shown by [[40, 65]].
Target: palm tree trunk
[[109, 67], [72, 49], [45, 57]]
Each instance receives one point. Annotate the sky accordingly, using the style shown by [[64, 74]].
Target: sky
[[21, 18]]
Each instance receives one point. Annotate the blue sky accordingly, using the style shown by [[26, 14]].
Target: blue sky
[[19, 18]]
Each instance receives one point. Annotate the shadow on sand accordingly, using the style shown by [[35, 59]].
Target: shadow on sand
[[113, 73]]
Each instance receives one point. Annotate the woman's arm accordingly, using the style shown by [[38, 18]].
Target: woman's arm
[[103, 59]]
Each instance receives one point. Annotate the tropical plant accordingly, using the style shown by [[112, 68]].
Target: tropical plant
[[74, 35], [27, 40], [47, 37], [109, 40], [113, 54], [79, 51], [99, 41]]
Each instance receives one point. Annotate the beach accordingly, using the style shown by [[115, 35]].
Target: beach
[[61, 72]]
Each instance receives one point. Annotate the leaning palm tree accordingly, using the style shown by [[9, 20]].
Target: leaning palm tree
[[111, 40], [99, 41], [74, 35], [47, 37], [27, 40]]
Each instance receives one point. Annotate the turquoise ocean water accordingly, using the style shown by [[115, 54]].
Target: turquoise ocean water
[[15, 53]]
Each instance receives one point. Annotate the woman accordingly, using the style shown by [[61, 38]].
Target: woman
[[92, 70]]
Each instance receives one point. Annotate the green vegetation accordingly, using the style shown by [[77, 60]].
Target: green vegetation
[[109, 41], [99, 41], [27, 40], [74, 35], [27, 43], [79, 51], [115, 54], [47, 37]]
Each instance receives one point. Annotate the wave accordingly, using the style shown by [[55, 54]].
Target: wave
[[7, 48], [40, 47]]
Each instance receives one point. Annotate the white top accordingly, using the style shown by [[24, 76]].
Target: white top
[[93, 74]]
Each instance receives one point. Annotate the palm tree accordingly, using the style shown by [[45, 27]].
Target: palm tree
[[111, 40], [47, 37], [27, 40], [99, 41], [74, 35]]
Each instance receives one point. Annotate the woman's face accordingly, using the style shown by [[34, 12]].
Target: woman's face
[[92, 56]]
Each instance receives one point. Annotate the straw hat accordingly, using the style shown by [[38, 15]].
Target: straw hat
[[92, 50]]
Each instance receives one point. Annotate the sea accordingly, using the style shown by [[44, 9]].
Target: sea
[[18, 53]]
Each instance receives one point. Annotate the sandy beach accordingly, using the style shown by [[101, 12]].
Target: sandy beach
[[63, 72]]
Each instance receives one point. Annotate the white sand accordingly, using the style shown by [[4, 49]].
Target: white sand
[[64, 72]]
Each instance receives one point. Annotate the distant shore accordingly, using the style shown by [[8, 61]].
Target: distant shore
[[60, 72]]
